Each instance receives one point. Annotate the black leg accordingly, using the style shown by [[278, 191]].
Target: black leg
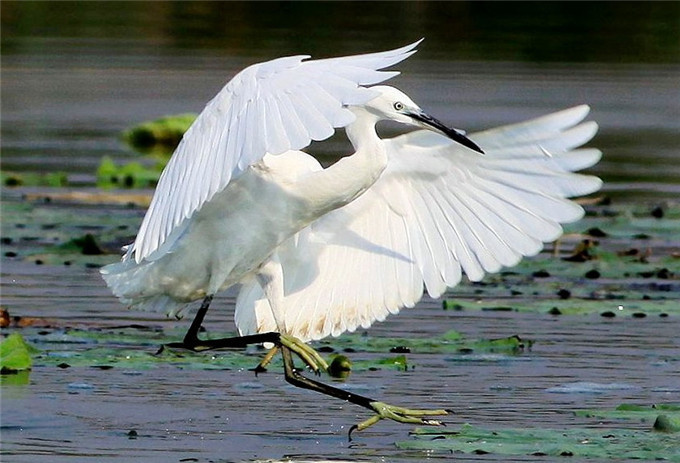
[[237, 342], [381, 409], [289, 344], [296, 379], [191, 338], [192, 342]]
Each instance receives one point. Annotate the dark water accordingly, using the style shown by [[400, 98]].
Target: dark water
[[84, 413], [75, 74]]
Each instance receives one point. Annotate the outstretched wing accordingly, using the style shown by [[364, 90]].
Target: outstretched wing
[[270, 107], [438, 210]]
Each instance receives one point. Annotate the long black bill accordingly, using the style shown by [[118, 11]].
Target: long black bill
[[453, 134]]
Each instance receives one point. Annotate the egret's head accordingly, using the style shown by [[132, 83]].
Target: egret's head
[[395, 105]]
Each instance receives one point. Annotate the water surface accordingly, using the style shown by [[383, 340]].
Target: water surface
[[75, 74]]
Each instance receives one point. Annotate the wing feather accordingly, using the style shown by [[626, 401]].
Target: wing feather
[[249, 117], [484, 244], [295, 127], [532, 131], [438, 210]]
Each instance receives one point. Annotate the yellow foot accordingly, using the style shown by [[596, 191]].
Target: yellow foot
[[262, 366], [308, 355], [401, 415]]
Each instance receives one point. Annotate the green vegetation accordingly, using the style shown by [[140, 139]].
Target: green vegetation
[[159, 136], [661, 417], [139, 347], [49, 179], [15, 354], [155, 139], [130, 175], [606, 444]]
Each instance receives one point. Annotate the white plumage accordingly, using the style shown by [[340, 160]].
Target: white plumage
[[437, 209], [271, 107], [323, 251]]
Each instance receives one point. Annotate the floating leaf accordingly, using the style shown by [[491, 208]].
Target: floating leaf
[[399, 362], [665, 423], [665, 417], [130, 175], [15, 354], [449, 342], [615, 444], [50, 179], [86, 244]]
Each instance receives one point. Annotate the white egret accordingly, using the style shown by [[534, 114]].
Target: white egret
[[317, 251]]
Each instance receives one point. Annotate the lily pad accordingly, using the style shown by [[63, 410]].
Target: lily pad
[[130, 175], [632, 270], [133, 349], [137, 346], [51, 234], [86, 245], [50, 179], [641, 413], [15, 354], [449, 342], [609, 304], [610, 444]]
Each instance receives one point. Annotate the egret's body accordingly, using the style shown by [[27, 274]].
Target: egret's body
[[191, 270], [234, 235], [322, 251]]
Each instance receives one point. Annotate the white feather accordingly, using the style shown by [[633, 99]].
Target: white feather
[[324, 251], [436, 210], [243, 122]]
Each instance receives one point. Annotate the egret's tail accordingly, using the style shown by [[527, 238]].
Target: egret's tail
[[129, 282]]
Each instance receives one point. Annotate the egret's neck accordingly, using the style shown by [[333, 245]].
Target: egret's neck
[[351, 176]]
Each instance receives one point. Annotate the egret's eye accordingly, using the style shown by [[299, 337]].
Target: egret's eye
[[398, 105]]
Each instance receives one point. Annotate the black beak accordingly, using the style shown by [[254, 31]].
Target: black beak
[[453, 134]]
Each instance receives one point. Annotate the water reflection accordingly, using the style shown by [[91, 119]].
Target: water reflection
[[513, 31]]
